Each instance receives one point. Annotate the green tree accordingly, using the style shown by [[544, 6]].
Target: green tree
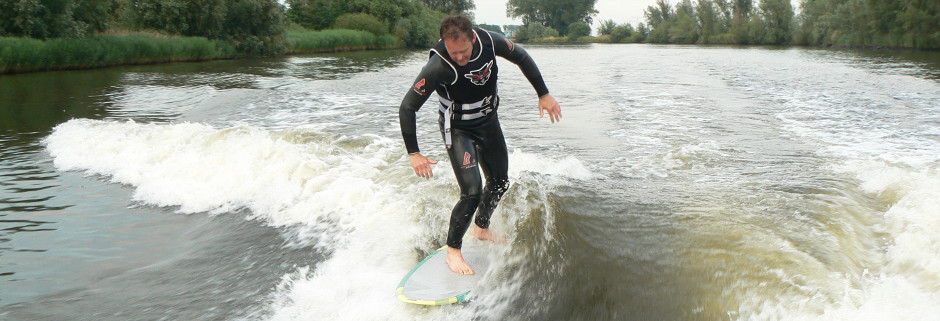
[[388, 11], [451, 6], [685, 28], [659, 18], [312, 14], [322, 14], [665, 8], [777, 16], [163, 15], [361, 21], [578, 29], [97, 15], [204, 18], [814, 22], [921, 21], [556, 14], [534, 31], [419, 25], [252, 26], [622, 33], [256, 26], [724, 9], [887, 21], [852, 17], [708, 16], [658, 14], [606, 27], [44, 19], [741, 16], [642, 32]]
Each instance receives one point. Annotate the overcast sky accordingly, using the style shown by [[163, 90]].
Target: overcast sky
[[621, 11]]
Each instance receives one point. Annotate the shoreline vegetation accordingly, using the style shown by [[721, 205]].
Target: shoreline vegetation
[[605, 39], [21, 55], [44, 35]]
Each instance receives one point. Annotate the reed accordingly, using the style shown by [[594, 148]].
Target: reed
[[111, 49], [25, 54], [338, 40]]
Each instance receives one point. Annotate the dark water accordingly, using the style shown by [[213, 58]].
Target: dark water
[[684, 183]]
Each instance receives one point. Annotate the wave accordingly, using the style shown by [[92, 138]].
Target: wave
[[356, 198]]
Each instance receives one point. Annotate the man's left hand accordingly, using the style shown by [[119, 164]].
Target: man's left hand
[[548, 104]]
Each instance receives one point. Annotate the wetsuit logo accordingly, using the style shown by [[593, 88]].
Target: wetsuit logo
[[480, 76], [419, 87], [468, 160]]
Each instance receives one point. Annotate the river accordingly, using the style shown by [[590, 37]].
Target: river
[[683, 183]]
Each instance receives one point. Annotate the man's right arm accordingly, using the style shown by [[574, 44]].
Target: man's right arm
[[426, 82]]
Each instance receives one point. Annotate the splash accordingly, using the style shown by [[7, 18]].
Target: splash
[[353, 197]]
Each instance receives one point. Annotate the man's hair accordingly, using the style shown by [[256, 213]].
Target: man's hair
[[454, 27]]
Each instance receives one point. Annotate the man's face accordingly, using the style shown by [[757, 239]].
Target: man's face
[[460, 49]]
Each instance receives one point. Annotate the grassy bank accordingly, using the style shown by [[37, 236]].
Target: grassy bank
[[27, 55], [338, 40]]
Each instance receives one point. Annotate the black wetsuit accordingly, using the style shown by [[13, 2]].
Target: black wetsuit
[[468, 103]]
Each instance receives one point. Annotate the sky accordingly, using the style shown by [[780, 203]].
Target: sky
[[620, 11]]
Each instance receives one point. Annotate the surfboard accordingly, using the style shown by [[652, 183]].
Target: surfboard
[[431, 282]]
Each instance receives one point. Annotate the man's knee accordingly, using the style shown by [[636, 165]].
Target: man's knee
[[472, 200], [466, 206]]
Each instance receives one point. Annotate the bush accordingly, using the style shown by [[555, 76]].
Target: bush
[[621, 33], [53, 19], [534, 31], [420, 29], [578, 29], [339, 39], [606, 27], [315, 15], [256, 26], [252, 26], [360, 21]]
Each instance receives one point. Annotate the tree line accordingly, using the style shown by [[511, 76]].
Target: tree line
[[885, 23], [251, 26], [260, 26]]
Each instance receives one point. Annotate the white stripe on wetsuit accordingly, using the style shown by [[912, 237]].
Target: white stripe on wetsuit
[[449, 114]]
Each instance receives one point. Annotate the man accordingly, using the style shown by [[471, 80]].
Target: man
[[462, 70]]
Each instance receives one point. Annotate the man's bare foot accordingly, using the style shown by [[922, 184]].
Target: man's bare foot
[[456, 262], [486, 235]]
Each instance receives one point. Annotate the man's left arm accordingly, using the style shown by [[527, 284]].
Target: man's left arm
[[516, 54]]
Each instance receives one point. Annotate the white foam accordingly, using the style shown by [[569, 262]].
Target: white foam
[[907, 285], [193, 166], [355, 197], [569, 167]]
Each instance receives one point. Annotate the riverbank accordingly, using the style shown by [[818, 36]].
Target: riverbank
[[723, 41], [20, 55], [339, 40]]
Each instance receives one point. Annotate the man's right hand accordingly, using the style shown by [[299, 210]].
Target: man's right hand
[[422, 165]]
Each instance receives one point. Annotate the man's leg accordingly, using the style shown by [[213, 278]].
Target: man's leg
[[494, 160], [463, 159]]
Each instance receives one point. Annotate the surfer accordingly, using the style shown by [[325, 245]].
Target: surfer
[[462, 70]]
